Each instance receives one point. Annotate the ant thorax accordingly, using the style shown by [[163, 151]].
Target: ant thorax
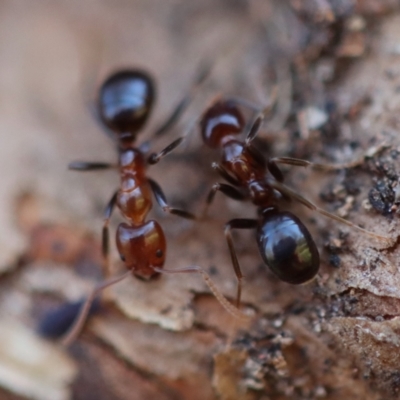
[[134, 196]]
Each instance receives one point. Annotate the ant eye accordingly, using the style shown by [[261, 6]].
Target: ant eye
[[159, 253], [122, 257]]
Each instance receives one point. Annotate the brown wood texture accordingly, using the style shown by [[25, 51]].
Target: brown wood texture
[[336, 65]]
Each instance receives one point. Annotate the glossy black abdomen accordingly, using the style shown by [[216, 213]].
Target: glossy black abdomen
[[287, 247]]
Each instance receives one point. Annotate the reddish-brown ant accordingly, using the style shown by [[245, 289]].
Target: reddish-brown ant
[[285, 244], [124, 105]]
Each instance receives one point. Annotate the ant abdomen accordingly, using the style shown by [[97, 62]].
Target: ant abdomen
[[287, 247], [125, 102]]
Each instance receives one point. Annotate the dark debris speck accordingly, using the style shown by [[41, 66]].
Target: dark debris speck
[[381, 197], [351, 185], [334, 260]]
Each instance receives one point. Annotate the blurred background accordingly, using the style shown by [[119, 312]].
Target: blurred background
[[170, 339]]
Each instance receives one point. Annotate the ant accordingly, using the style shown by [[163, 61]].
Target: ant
[[124, 105], [285, 244]]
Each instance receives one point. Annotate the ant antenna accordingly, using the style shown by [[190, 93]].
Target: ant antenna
[[77, 326], [230, 308], [292, 194]]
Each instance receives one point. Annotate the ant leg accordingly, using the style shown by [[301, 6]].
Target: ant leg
[[222, 171], [176, 114], [260, 116], [209, 282], [254, 128], [156, 157], [162, 202], [227, 190], [327, 167], [242, 223], [274, 170], [292, 194], [105, 237], [89, 166], [257, 123], [202, 75], [77, 326]]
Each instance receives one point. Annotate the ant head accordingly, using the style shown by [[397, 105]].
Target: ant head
[[222, 119], [125, 102]]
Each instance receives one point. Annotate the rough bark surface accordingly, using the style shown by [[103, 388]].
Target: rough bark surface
[[336, 65]]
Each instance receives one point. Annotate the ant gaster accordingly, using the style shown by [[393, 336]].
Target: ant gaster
[[125, 102], [285, 244]]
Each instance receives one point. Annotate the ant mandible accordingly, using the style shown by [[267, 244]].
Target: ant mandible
[[124, 104], [285, 244]]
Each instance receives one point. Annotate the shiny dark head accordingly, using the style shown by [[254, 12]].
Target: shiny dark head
[[287, 247], [125, 102], [222, 119]]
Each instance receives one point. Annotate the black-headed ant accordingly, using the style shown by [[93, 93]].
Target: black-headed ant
[[285, 244], [125, 102]]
